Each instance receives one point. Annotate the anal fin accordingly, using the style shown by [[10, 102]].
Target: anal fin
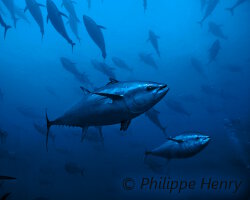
[[124, 125]]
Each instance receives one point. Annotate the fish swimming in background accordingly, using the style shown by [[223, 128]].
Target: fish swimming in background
[[6, 27], [116, 103], [35, 11], [71, 67], [73, 168], [148, 59], [73, 23], [153, 38], [55, 17], [211, 4], [95, 32], [177, 107], [181, 146], [69, 6], [153, 115], [216, 30], [238, 3], [9, 4], [103, 68], [197, 65], [145, 5], [213, 51], [121, 64], [3, 136]]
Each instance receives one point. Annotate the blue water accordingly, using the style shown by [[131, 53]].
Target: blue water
[[32, 79]]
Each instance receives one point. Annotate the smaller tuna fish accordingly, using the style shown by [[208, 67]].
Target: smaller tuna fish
[[215, 29], [177, 107], [74, 169], [95, 33], [74, 27], [71, 68], [69, 6], [182, 146], [148, 59], [213, 51], [153, 115], [55, 17], [211, 5], [104, 68], [6, 27], [121, 64], [35, 11], [153, 38], [238, 2], [10, 6]]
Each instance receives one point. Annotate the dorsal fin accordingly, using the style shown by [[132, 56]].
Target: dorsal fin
[[112, 80], [85, 90], [175, 140]]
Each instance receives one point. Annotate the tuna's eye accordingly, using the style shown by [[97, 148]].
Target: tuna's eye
[[149, 88]]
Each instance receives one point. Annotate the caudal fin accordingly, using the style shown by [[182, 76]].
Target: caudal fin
[[48, 127], [231, 10], [7, 27]]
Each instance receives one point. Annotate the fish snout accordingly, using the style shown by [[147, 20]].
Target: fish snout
[[163, 88], [206, 139]]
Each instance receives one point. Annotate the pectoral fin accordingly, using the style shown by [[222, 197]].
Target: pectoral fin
[[102, 27], [62, 14], [111, 96], [40, 5], [85, 90], [175, 140], [112, 81], [124, 125]]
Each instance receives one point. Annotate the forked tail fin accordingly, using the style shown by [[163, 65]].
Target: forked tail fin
[[6, 28], [48, 127]]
